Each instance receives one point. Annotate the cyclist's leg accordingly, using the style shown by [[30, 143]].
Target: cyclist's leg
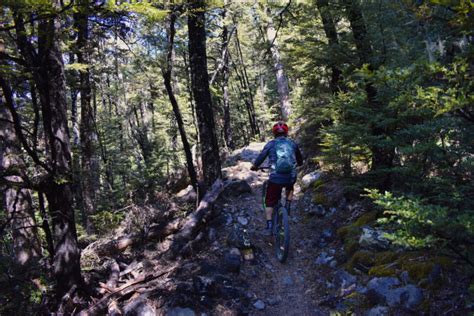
[[289, 196], [271, 200]]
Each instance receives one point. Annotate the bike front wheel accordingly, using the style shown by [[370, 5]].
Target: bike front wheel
[[282, 233]]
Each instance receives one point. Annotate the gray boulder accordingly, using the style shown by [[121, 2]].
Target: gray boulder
[[309, 179], [344, 279], [232, 260], [378, 311], [386, 290], [187, 195], [236, 188], [260, 305], [371, 238], [323, 258]]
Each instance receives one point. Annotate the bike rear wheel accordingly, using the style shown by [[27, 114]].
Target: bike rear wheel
[[282, 233]]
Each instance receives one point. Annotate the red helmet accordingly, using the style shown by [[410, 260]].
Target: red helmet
[[280, 128]]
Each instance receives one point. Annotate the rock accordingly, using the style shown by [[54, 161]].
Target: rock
[[179, 311], [371, 238], [187, 195], [317, 210], [384, 290], [242, 220], [378, 311], [260, 305], [232, 260], [309, 179], [236, 187], [211, 234], [248, 254], [405, 277], [236, 238], [410, 297], [205, 285], [139, 307], [272, 301], [228, 219], [323, 258], [287, 280], [327, 234], [343, 279]]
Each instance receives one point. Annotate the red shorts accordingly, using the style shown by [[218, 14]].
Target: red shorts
[[274, 192]]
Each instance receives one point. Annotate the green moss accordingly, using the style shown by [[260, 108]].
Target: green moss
[[361, 260], [318, 185], [366, 219], [348, 231], [418, 270], [444, 262], [385, 257], [319, 198], [383, 270], [351, 246]]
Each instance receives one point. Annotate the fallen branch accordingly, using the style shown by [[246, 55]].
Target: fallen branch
[[193, 222], [125, 289]]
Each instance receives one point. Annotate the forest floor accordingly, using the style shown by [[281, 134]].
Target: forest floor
[[232, 270]]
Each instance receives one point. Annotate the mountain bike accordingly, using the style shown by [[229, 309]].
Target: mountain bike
[[281, 224]]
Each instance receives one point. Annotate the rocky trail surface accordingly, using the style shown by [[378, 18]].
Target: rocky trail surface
[[225, 266]]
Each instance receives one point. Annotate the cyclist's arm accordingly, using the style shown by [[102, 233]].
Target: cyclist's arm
[[263, 155]]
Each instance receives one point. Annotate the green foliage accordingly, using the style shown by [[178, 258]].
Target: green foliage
[[107, 221], [418, 224]]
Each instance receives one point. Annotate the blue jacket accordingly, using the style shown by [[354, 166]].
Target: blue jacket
[[270, 151]]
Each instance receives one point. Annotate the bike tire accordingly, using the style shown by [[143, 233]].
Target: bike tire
[[282, 233]]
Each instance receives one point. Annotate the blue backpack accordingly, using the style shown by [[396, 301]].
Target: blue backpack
[[285, 154]]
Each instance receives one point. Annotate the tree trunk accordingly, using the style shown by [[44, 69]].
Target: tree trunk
[[331, 34], [87, 131], [382, 157], [167, 77], [17, 200], [245, 83], [281, 79], [229, 141], [52, 90], [202, 96]]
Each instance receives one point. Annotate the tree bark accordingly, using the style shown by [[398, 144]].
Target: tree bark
[[200, 86], [331, 34], [281, 79], [17, 200], [245, 83], [47, 68], [229, 141], [167, 77], [87, 131]]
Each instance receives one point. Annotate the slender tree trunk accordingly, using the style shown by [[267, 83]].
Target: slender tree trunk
[[167, 77], [17, 200], [245, 83], [200, 85], [331, 34], [87, 131], [382, 156], [281, 79], [229, 141]]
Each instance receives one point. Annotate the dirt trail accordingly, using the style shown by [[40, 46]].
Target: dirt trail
[[285, 289]]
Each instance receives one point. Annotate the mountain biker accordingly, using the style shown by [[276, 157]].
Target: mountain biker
[[283, 155]]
